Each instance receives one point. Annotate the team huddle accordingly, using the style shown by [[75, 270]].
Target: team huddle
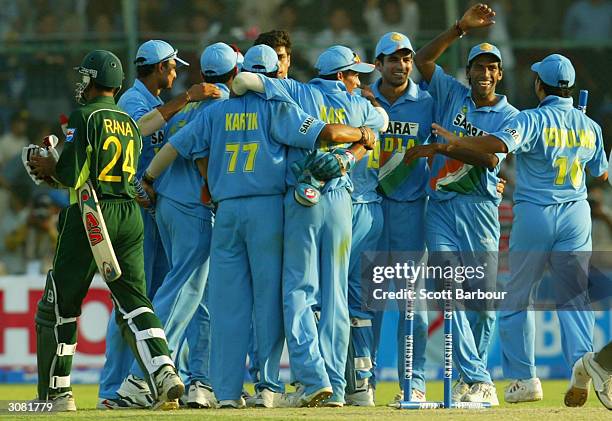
[[260, 194]]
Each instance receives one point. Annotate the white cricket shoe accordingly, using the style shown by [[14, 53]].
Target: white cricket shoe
[[135, 392], [415, 396], [266, 398], [200, 395], [361, 397], [460, 388], [528, 390], [232, 404], [169, 388], [580, 383], [602, 379], [299, 398], [481, 392], [115, 404], [63, 402]]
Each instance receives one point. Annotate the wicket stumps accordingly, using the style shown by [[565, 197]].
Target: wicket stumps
[[407, 403]]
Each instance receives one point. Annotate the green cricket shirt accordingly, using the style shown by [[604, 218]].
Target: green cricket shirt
[[102, 144]]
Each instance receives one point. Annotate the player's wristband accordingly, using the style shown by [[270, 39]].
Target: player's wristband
[[365, 140], [460, 32], [148, 178], [187, 97]]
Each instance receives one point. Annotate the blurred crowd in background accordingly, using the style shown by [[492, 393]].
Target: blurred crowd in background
[[41, 41]]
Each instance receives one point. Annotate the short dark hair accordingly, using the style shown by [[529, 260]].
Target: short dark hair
[[497, 60], [333, 76], [146, 69], [275, 38], [381, 56], [224, 78], [565, 92]]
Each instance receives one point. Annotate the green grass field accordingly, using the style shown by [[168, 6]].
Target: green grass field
[[551, 407]]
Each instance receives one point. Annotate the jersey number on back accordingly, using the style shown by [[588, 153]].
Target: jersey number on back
[[575, 174], [128, 160], [250, 149]]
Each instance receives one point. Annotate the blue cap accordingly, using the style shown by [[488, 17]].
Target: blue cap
[[239, 60], [260, 58], [484, 48], [338, 58], [555, 70], [217, 59], [156, 51], [391, 42]]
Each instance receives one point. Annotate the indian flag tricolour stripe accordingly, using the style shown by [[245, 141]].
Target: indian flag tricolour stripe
[[457, 176]]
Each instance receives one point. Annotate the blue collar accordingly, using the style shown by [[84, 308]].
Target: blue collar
[[142, 89], [499, 107], [225, 92], [410, 94], [330, 86], [557, 101]]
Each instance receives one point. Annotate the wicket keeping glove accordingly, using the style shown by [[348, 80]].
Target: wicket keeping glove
[[332, 164]]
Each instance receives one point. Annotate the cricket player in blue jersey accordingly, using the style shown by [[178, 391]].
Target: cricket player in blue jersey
[[185, 227], [462, 213], [402, 185], [244, 142], [156, 63], [318, 238], [554, 144], [261, 59]]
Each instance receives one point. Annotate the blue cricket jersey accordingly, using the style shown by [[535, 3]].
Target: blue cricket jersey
[[137, 101], [553, 144], [181, 181], [246, 140], [455, 110], [410, 118], [332, 103]]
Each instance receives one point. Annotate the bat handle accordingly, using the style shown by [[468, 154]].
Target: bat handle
[[583, 99], [140, 191]]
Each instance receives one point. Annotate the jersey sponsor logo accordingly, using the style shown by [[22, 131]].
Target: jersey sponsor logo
[[306, 125], [515, 135], [469, 129], [70, 135], [157, 138], [240, 121], [112, 126], [395, 141], [402, 127]]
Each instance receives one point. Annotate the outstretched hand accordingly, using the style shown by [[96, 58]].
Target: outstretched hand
[[477, 16], [423, 151], [201, 91], [451, 138]]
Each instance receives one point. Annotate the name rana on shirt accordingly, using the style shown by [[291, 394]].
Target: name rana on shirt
[[122, 127]]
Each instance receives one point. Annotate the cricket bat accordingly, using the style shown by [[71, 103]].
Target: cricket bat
[[97, 234]]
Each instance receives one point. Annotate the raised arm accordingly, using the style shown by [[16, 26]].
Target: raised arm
[[477, 16], [483, 144], [156, 118], [247, 81]]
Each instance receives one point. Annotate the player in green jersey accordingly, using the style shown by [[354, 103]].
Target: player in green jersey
[[102, 146]]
